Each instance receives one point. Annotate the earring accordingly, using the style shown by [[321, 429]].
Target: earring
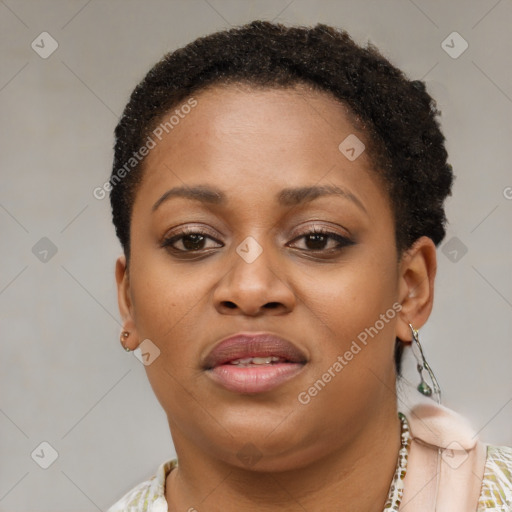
[[124, 336], [421, 365]]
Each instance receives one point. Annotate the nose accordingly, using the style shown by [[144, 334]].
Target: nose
[[254, 287]]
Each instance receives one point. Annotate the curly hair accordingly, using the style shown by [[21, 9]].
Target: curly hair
[[397, 115]]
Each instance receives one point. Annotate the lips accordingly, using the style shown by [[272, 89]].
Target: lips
[[244, 346], [254, 363]]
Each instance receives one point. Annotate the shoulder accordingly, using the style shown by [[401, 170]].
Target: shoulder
[[438, 428], [148, 496], [496, 493]]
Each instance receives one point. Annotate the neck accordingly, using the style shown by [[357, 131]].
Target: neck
[[357, 476]]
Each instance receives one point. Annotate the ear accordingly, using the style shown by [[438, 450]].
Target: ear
[[125, 303], [418, 267]]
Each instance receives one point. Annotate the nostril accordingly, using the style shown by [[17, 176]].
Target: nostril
[[230, 305]]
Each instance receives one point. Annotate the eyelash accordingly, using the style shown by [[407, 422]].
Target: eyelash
[[342, 241]]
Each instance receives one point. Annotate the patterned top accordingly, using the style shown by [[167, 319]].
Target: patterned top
[[396, 489], [495, 495], [496, 491]]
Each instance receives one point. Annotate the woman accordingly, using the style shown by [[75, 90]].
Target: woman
[[278, 193]]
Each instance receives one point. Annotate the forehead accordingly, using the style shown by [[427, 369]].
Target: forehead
[[273, 117], [252, 139]]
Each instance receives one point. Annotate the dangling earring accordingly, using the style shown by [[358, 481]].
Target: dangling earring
[[124, 336], [422, 364]]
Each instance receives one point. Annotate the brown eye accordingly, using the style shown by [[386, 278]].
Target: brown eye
[[319, 239], [316, 241], [190, 240], [193, 242]]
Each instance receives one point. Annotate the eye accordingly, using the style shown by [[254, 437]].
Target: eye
[[191, 240], [319, 239]]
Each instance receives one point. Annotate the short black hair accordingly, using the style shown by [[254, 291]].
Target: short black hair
[[396, 114]]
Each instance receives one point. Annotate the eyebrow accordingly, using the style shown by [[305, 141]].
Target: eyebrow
[[286, 197]]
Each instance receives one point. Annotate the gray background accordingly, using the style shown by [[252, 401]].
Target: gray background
[[64, 376]]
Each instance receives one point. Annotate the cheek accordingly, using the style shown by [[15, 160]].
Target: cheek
[[353, 354], [355, 321], [165, 298], [351, 298]]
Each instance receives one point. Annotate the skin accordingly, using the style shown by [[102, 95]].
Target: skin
[[251, 144]]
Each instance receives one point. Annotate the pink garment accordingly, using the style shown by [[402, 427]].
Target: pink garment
[[446, 462]]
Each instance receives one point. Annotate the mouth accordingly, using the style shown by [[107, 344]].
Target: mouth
[[254, 363]]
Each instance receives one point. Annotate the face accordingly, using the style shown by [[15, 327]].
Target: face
[[289, 237]]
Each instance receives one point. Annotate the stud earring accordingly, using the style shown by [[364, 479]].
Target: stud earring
[[124, 337], [421, 364]]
